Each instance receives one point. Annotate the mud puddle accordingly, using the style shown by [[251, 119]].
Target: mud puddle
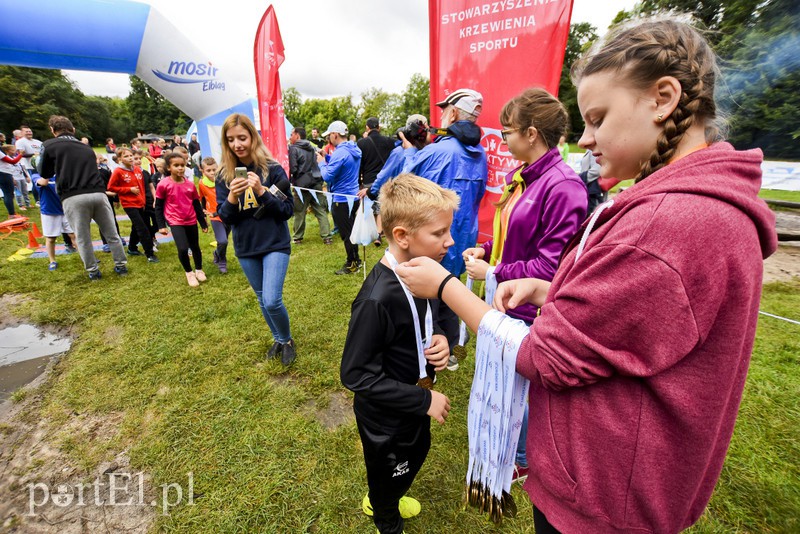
[[25, 351]]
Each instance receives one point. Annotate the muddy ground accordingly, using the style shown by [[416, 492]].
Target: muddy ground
[[40, 484]]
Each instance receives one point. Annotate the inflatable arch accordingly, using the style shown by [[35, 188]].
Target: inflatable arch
[[128, 37]]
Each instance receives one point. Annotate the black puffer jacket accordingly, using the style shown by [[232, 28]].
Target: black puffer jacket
[[303, 168]]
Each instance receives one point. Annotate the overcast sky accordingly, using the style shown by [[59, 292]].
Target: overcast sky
[[333, 47]]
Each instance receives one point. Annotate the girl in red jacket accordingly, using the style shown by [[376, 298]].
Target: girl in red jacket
[[128, 183], [638, 359]]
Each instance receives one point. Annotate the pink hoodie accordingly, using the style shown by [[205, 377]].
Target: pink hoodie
[[638, 360]]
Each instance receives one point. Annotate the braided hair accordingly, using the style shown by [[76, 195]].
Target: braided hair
[[642, 54]]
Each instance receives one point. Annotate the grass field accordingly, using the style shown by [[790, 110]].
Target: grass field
[[184, 371]]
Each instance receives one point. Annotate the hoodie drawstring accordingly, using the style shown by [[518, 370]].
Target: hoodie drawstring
[[595, 216]]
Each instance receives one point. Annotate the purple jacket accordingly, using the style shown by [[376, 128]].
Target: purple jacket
[[547, 215]]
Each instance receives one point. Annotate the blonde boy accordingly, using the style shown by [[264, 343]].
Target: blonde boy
[[392, 350]]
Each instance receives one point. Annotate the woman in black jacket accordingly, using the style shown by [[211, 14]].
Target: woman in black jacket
[[257, 207]]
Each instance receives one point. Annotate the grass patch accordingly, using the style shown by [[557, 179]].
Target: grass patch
[[177, 376], [19, 395], [778, 194]]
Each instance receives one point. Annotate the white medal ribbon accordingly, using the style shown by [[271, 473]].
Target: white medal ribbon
[[490, 285], [422, 344], [462, 328], [497, 402]]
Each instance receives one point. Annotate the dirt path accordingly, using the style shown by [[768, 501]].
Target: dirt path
[[783, 265]]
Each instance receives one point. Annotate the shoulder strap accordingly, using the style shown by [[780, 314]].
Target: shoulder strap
[[378, 150]]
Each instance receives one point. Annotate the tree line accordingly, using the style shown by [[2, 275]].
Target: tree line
[[31, 95], [759, 91]]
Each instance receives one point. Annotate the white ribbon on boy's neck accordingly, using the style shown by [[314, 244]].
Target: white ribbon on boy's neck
[[422, 344]]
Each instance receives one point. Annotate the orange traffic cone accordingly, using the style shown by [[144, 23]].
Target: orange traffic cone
[[36, 233], [32, 243]]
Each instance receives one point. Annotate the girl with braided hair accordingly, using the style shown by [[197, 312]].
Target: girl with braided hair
[[638, 359]]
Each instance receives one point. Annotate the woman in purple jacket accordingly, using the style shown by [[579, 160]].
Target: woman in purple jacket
[[542, 207]]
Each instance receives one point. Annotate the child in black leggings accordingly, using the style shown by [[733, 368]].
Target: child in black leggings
[[178, 204]]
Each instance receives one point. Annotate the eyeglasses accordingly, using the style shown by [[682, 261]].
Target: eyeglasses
[[504, 133]]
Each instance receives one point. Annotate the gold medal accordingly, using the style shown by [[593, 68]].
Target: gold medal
[[509, 506], [425, 383]]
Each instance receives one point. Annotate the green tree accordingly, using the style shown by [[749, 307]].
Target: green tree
[[415, 99], [378, 103], [581, 36], [392, 109], [150, 112], [292, 104], [757, 42], [30, 96]]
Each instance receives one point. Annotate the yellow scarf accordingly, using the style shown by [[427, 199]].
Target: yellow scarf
[[498, 232]]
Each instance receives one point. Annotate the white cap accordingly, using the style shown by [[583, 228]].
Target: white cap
[[416, 118], [336, 127], [464, 99]]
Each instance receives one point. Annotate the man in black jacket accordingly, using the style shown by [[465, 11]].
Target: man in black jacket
[[304, 172], [82, 192], [375, 149]]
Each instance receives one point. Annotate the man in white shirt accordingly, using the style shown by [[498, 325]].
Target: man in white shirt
[[29, 148]]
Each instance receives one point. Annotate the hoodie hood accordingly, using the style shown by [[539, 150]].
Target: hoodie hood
[[304, 144], [720, 172], [468, 133], [351, 148]]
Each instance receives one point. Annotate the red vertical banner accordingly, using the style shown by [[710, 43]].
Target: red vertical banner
[[268, 57], [497, 48]]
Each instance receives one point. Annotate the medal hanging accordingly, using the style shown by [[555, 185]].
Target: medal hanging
[[495, 412], [422, 343]]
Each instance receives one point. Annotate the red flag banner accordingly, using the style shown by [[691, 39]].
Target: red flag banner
[[268, 57], [497, 48]]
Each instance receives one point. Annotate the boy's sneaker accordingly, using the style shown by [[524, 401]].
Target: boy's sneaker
[[106, 248], [327, 241], [70, 249], [152, 259], [452, 363], [297, 241], [53, 266], [408, 507], [288, 354], [95, 275], [520, 473], [121, 270], [134, 252], [223, 267], [274, 350]]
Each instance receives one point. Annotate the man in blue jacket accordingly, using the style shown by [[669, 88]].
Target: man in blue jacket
[[455, 161], [340, 171]]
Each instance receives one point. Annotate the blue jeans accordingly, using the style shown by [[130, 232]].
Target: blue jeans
[[520, 458], [266, 275]]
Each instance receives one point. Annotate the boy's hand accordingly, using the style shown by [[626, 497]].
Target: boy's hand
[[438, 353], [135, 190], [440, 407], [163, 231]]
